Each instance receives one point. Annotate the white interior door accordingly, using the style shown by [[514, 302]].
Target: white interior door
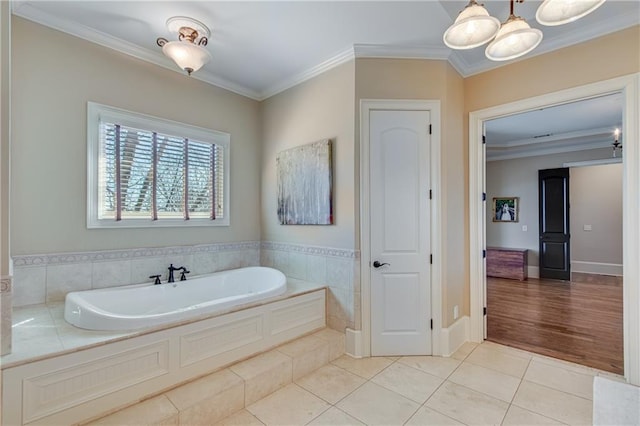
[[400, 233]]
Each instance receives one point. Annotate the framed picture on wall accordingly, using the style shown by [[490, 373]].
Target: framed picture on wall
[[505, 209]]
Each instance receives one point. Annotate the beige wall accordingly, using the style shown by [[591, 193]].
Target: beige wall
[[596, 200], [519, 178], [433, 80], [54, 75], [321, 108], [603, 58]]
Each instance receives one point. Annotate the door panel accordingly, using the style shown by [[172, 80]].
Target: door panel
[[553, 191], [400, 234]]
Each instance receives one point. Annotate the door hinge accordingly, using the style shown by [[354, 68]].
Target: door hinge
[[484, 311], [484, 254], [484, 139], [484, 196], [430, 194], [432, 324], [430, 129], [431, 259]]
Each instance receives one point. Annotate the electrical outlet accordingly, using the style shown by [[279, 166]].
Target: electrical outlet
[[455, 312], [587, 227]]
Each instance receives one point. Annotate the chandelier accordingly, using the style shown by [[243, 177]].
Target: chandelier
[[188, 51], [513, 38]]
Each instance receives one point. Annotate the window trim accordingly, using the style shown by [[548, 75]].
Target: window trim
[[97, 112]]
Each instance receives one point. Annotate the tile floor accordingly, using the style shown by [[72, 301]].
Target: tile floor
[[480, 384]]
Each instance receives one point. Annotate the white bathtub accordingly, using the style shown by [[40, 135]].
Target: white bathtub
[[146, 305]]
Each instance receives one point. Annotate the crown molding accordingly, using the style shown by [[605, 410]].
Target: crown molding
[[600, 133], [401, 52], [458, 62], [548, 151], [26, 11], [344, 56], [581, 34]]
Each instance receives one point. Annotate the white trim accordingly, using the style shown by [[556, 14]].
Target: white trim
[[97, 113], [597, 268], [493, 155], [336, 60], [579, 34], [401, 52], [454, 336], [533, 271], [27, 11], [366, 106], [353, 343], [587, 163], [629, 85], [456, 59]]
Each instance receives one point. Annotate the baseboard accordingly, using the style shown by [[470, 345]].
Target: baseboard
[[353, 343], [596, 268], [533, 271], [454, 336]]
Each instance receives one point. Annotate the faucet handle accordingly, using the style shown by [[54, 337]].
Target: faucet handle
[[157, 279], [182, 274]]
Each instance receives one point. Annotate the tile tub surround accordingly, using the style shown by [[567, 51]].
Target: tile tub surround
[[40, 331], [82, 383], [227, 392], [339, 269], [48, 278], [405, 391]]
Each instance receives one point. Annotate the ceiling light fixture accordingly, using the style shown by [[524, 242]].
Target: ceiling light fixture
[[616, 143], [514, 38], [472, 28], [188, 52], [558, 12]]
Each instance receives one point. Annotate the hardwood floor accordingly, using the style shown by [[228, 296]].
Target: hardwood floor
[[579, 322]]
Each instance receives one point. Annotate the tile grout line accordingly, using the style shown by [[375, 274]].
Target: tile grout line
[[524, 373]]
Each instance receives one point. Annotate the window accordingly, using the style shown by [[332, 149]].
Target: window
[[145, 171]]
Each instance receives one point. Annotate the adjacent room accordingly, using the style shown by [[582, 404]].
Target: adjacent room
[[554, 265], [327, 212]]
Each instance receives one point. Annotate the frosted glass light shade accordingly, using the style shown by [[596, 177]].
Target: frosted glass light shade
[[515, 38], [558, 12], [473, 27], [188, 56]]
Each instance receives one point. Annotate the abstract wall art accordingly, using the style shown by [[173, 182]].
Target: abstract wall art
[[304, 184]]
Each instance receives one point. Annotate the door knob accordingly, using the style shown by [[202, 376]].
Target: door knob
[[377, 264]]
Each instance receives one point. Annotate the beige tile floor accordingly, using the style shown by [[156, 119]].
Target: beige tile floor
[[480, 384]]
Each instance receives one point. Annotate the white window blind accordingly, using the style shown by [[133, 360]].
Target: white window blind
[[152, 172]]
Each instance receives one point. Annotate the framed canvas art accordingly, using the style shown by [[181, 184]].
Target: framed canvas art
[[305, 185]]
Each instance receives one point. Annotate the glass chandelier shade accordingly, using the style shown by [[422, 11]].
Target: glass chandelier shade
[[472, 28], [188, 52], [514, 39], [187, 55], [558, 12]]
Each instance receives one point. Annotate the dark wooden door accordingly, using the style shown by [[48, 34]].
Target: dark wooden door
[[553, 193]]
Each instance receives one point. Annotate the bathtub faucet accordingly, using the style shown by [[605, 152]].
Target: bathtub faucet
[[182, 275]]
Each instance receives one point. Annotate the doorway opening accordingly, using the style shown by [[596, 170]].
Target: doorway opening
[[628, 87], [554, 267]]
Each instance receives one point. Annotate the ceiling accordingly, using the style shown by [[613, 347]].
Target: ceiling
[[263, 47], [582, 125], [260, 48]]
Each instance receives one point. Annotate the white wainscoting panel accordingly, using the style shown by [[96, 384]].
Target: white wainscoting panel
[[219, 337], [287, 318], [59, 390]]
